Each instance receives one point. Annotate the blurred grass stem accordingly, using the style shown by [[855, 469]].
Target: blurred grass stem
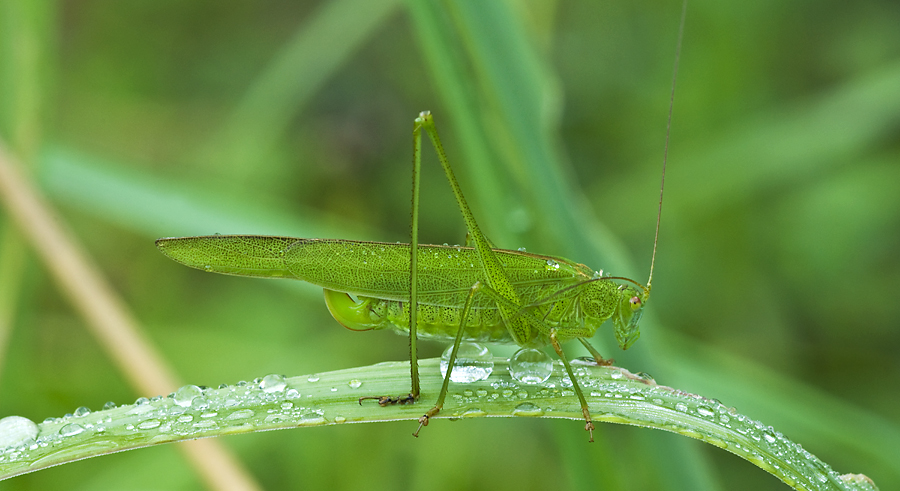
[[107, 318]]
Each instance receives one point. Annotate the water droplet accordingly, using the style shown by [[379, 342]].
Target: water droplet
[[552, 265], [474, 413], [15, 430], [527, 409], [149, 424], [355, 383], [200, 404], [339, 419], [292, 394], [71, 429], [473, 363], [312, 417], [82, 412], [239, 414], [272, 383], [521, 249], [530, 366], [681, 407], [140, 410], [109, 405], [207, 268], [140, 401], [705, 411], [769, 438], [598, 274], [313, 378], [646, 377], [184, 395]]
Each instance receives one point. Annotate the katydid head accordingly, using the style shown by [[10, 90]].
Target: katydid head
[[603, 298]]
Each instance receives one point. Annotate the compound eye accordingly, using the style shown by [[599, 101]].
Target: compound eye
[[635, 302]]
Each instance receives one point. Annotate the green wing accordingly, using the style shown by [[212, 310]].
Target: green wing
[[242, 255], [373, 269]]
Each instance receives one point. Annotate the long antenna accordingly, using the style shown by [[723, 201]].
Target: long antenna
[[662, 184]]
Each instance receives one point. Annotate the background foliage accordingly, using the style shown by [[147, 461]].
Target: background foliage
[[778, 268]]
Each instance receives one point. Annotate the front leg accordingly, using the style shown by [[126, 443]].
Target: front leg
[[598, 358]]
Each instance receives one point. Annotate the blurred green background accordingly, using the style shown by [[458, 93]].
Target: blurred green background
[[777, 274]]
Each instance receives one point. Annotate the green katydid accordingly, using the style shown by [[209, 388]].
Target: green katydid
[[506, 296], [474, 293]]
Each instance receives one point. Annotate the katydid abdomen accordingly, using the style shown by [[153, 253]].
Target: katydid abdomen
[[483, 325], [367, 283]]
